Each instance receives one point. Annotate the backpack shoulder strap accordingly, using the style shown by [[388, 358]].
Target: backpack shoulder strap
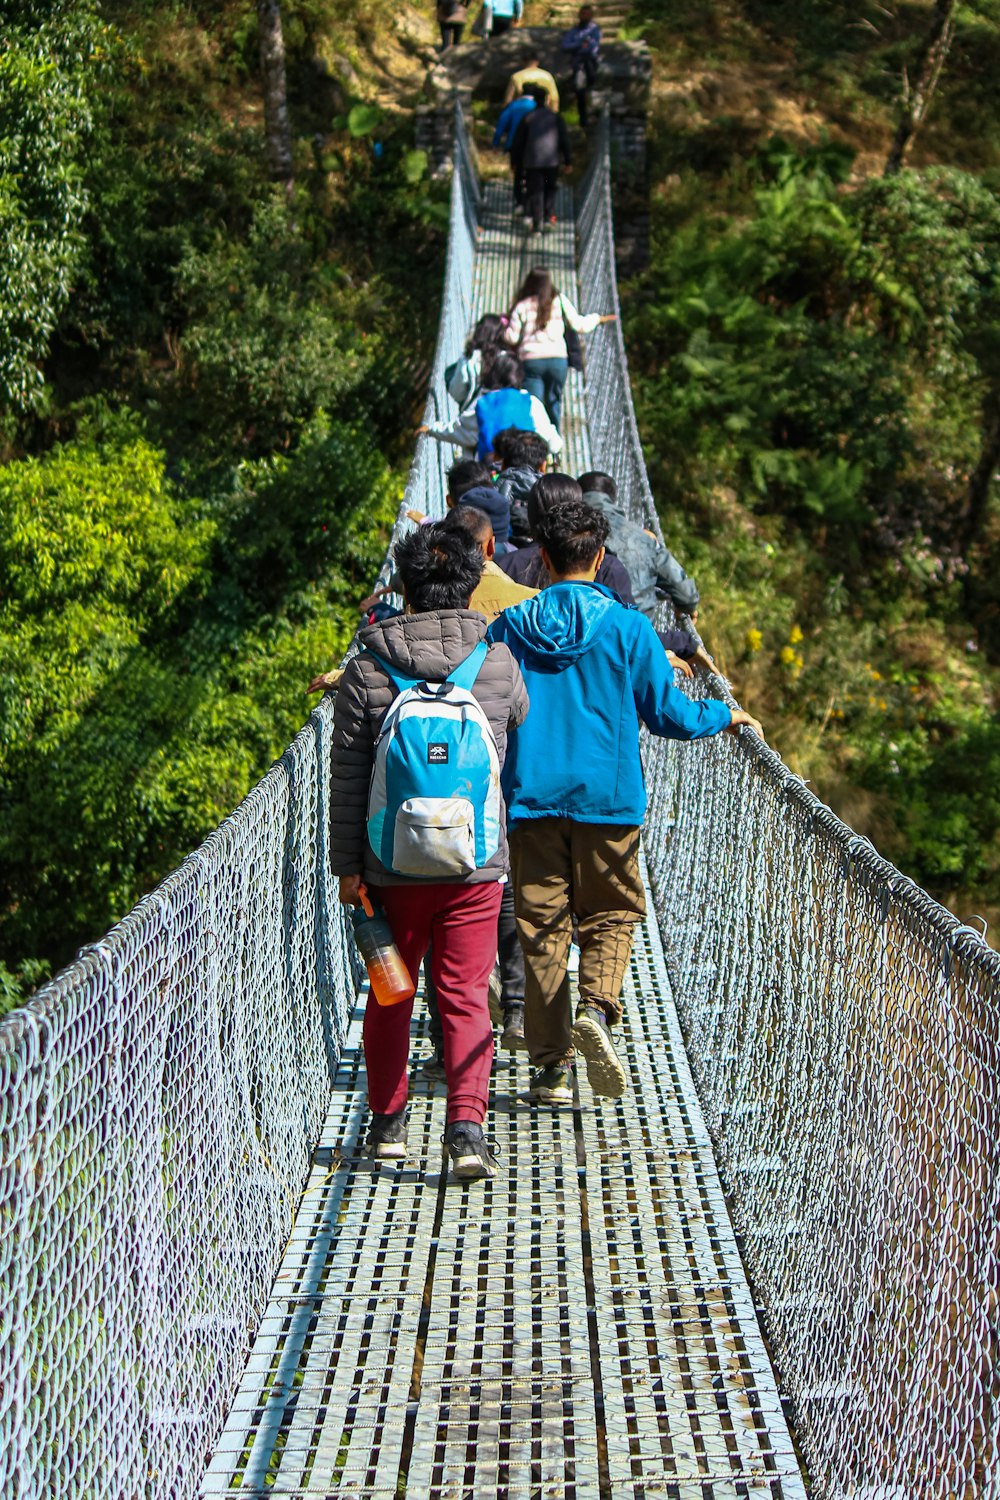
[[399, 680], [465, 674]]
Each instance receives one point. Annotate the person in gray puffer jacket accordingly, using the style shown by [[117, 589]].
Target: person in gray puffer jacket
[[439, 569], [649, 564]]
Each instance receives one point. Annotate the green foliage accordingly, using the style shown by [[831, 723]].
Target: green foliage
[[154, 662], [807, 351], [266, 342], [52, 64]]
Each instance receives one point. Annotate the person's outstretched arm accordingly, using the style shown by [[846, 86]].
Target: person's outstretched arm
[[664, 709], [463, 431], [673, 580], [545, 427], [582, 322]]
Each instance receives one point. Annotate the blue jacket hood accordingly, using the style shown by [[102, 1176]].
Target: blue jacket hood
[[561, 625]]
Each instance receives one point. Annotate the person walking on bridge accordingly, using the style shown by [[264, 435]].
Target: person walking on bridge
[[539, 148], [536, 326], [576, 797], [536, 76], [438, 878]]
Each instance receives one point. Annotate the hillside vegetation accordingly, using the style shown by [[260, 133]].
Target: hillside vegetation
[[816, 353], [208, 383]]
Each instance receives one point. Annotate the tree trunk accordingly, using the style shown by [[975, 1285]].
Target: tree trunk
[[272, 67], [927, 72], [981, 480]]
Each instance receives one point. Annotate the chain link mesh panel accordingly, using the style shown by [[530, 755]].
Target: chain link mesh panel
[[159, 1105], [844, 1033]]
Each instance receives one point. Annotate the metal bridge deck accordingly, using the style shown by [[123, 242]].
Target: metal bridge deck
[[580, 1327]]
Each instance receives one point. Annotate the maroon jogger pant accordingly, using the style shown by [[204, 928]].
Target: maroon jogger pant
[[459, 922]]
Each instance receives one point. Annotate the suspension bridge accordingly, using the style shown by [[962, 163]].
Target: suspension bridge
[[769, 1270]]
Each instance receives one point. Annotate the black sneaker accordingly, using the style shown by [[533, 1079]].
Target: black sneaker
[[387, 1137], [551, 1086], [432, 1067], [592, 1040], [470, 1152], [512, 1037]]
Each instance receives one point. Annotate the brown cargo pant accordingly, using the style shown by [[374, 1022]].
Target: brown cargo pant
[[561, 870]]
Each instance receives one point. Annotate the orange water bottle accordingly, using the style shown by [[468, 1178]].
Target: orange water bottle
[[390, 980]]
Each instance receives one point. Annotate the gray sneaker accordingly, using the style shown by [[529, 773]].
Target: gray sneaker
[[387, 1137], [512, 1037], [592, 1040], [551, 1086], [471, 1153]]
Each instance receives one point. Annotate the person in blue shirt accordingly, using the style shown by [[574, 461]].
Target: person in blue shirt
[[594, 670], [503, 139], [583, 43], [502, 403], [498, 16]]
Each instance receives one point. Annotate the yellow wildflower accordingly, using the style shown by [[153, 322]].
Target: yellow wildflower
[[794, 636], [754, 640]]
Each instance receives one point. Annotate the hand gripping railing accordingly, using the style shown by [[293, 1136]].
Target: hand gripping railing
[[844, 1031], [159, 1105]]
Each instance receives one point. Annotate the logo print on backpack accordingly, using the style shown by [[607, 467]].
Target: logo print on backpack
[[434, 799]]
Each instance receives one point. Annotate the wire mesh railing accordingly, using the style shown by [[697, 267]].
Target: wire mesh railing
[[844, 1033], [159, 1105]]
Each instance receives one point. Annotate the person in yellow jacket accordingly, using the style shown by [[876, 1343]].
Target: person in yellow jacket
[[494, 592], [533, 72]]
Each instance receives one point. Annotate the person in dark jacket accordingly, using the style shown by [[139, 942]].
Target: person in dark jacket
[[527, 565], [583, 43], [523, 456], [651, 566], [540, 146], [576, 797], [439, 570]]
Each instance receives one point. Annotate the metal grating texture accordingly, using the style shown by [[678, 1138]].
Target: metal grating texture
[[580, 1327], [844, 1033]]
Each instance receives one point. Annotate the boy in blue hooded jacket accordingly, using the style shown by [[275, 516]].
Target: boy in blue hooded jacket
[[576, 796]]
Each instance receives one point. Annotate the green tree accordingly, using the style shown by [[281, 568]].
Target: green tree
[[51, 67]]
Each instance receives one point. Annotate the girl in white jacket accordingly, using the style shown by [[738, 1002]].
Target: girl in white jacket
[[537, 329]]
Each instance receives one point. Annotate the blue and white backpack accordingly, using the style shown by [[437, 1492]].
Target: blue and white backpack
[[434, 800]]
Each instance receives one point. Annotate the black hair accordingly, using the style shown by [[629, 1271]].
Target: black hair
[[572, 534], [602, 484], [488, 338], [538, 284], [470, 520], [439, 567], [517, 449], [505, 372], [549, 490], [536, 91], [466, 475]]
